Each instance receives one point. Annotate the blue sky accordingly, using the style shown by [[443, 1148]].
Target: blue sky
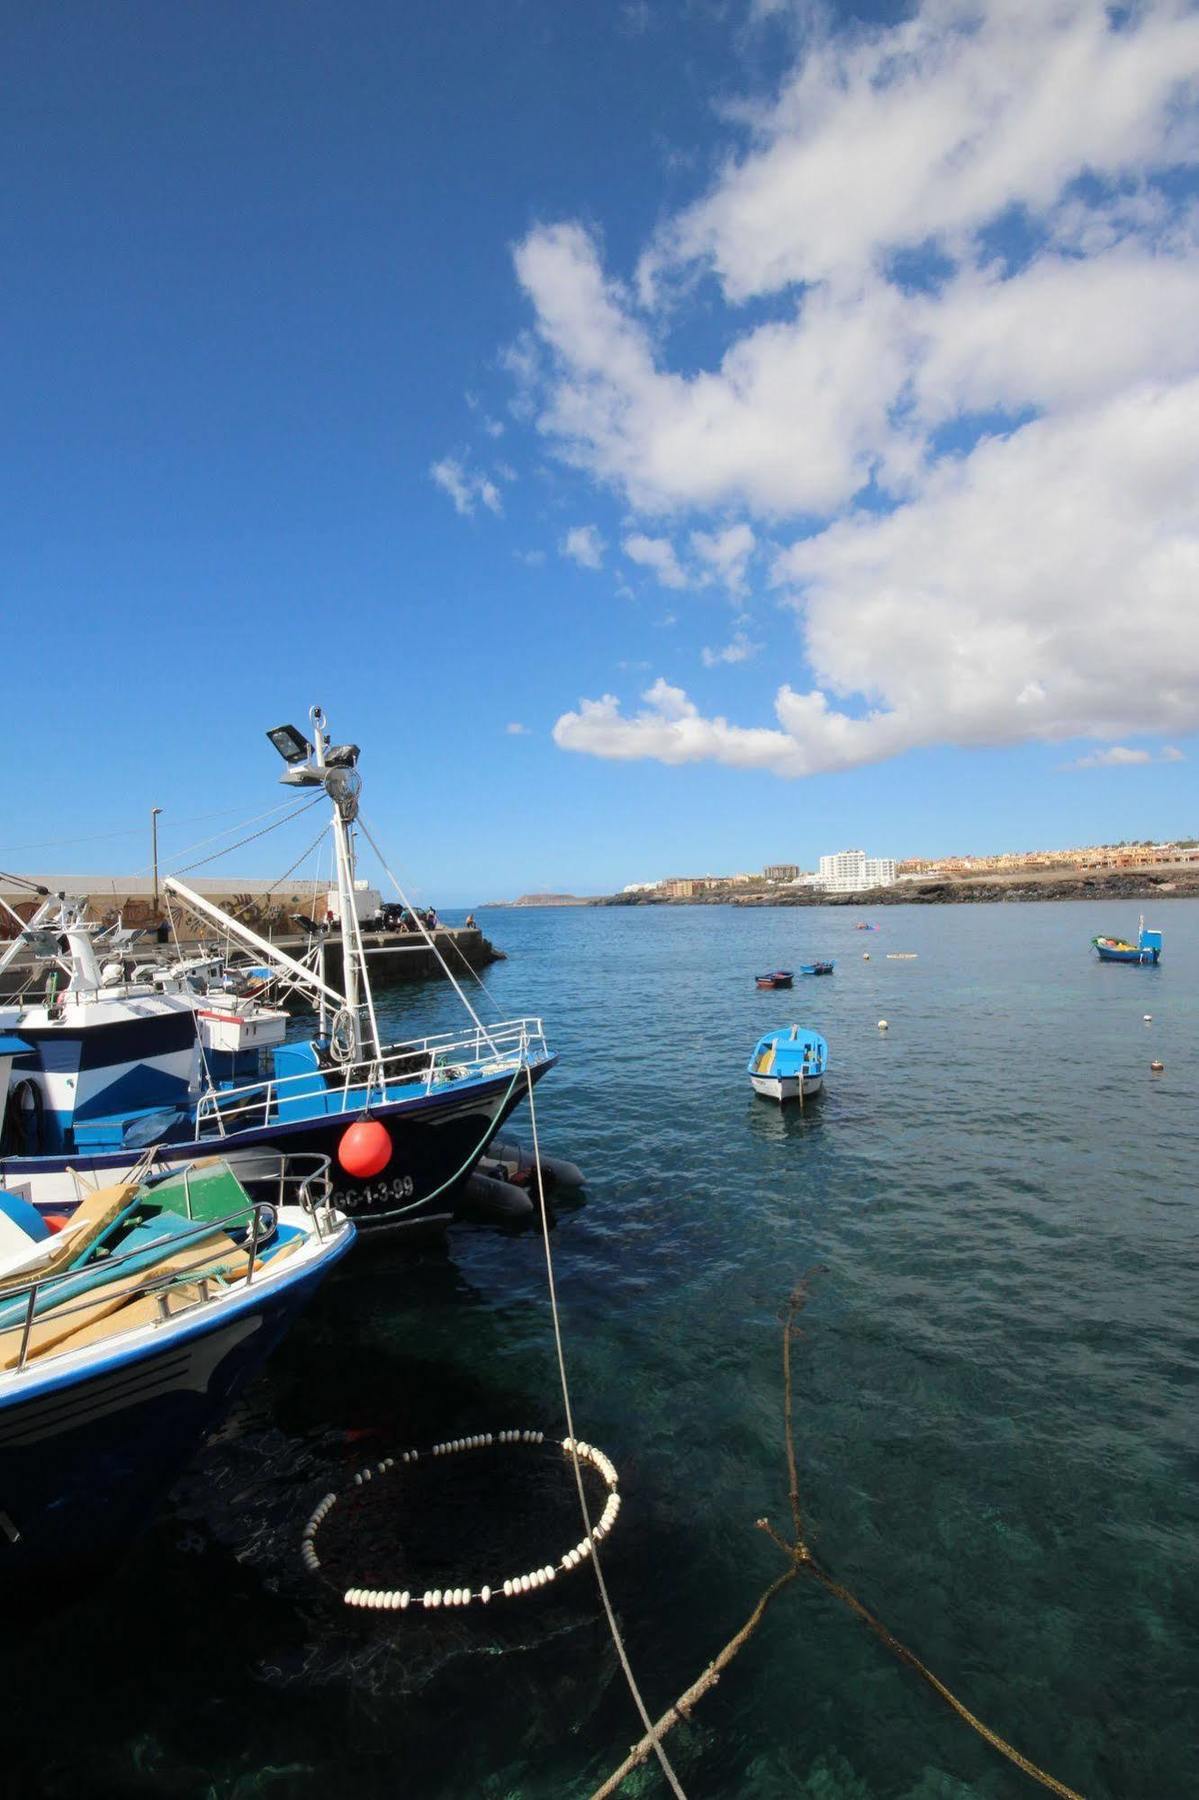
[[787, 418]]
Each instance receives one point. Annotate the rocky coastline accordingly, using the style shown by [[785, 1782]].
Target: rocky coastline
[[1113, 884]]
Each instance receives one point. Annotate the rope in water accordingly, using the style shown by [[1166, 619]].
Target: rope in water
[[399, 1600], [613, 1627], [801, 1561]]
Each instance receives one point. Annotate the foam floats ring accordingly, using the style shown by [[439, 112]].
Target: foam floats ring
[[399, 1600]]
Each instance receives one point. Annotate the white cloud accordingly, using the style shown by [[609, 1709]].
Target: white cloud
[[1119, 756], [1041, 587], [532, 559], [466, 488], [516, 730], [727, 554], [975, 399], [671, 730], [1063, 334], [738, 650], [584, 545], [795, 418], [657, 554], [929, 129], [493, 427]]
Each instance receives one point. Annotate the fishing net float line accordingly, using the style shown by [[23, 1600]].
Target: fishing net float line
[[507, 1588]]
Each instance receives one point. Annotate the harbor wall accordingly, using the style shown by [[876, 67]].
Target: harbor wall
[[263, 905], [271, 910]]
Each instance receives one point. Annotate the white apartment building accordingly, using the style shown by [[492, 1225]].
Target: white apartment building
[[852, 871]]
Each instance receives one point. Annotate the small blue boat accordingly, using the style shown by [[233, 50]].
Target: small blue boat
[[789, 1064], [1146, 950], [817, 968]]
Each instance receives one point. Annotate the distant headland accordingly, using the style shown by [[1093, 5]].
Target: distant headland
[[544, 900]]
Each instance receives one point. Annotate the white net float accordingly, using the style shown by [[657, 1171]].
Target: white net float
[[500, 1587]]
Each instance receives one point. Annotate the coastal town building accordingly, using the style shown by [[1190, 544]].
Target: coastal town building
[[852, 872], [684, 887], [1090, 856]]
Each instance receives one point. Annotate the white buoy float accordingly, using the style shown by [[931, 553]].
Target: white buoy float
[[883, 1026], [397, 1600]]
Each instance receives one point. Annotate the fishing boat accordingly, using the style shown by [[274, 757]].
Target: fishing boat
[[110, 1059], [817, 968], [1146, 950], [789, 1064], [126, 1333], [777, 978]]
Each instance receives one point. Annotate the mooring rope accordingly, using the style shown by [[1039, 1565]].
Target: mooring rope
[[613, 1626], [472, 971], [398, 1211]]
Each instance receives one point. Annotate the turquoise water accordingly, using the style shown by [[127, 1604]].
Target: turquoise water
[[996, 1402]]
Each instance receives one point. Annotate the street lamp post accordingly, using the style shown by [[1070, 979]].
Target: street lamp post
[[154, 812]]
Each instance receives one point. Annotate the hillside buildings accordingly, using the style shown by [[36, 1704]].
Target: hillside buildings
[[852, 872]]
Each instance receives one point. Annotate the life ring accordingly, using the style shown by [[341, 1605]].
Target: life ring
[[23, 1118]]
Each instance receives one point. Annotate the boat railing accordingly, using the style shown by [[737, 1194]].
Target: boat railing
[[420, 1064], [312, 1187], [301, 1178]]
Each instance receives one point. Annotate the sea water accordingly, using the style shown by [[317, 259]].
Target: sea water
[[995, 1402]]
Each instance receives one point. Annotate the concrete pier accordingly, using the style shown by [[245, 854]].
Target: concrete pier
[[393, 955], [405, 955]]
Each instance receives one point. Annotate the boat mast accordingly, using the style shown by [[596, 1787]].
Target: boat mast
[[343, 784]]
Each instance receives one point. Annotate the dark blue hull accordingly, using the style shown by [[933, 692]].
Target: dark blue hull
[[84, 1460], [437, 1140]]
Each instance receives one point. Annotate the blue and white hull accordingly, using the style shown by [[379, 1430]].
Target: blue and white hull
[[786, 1087], [438, 1138], [91, 1441], [788, 1064]]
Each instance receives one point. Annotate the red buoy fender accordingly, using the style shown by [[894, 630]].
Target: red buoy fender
[[365, 1149]]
